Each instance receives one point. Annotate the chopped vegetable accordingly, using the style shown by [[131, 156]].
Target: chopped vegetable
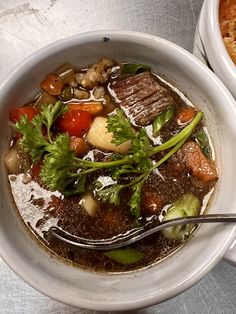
[[52, 84], [78, 145], [89, 204], [97, 73], [63, 171], [126, 256], [75, 122], [98, 92], [187, 205], [200, 166], [105, 139], [17, 113], [93, 107], [81, 93], [66, 74], [202, 140], [135, 68], [186, 115], [12, 160], [66, 94], [162, 119], [45, 98]]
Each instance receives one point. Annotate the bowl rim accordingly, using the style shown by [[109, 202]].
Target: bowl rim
[[153, 299], [220, 60]]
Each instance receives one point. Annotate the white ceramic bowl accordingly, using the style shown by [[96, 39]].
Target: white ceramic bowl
[[209, 45], [210, 49], [179, 271]]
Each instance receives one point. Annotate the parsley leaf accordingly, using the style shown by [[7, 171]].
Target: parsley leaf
[[57, 171], [121, 128], [50, 113], [110, 194], [141, 150], [136, 199], [33, 140]]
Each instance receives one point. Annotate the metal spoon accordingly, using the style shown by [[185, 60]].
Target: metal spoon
[[138, 233]]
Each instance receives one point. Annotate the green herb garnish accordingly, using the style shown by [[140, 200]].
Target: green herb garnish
[[63, 171], [121, 128], [33, 141]]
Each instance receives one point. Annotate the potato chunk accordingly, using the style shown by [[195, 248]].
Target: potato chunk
[[99, 137]]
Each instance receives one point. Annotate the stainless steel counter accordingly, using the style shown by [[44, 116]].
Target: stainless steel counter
[[28, 26]]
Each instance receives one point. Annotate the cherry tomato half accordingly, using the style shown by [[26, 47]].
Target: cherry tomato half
[[17, 113], [75, 122]]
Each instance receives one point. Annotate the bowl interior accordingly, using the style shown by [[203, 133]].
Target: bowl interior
[[131, 290]]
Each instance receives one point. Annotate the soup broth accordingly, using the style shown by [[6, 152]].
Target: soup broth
[[104, 149]]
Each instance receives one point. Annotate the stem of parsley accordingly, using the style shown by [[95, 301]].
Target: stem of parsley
[[181, 135], [100, 164]]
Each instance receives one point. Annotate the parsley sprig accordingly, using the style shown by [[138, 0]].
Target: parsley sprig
[[63, 171], [33, 141]]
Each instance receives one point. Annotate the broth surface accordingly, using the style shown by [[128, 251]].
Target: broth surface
[[41, 208]]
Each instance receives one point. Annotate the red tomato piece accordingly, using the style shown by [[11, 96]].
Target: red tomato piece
[[17, 113], [75, 122]]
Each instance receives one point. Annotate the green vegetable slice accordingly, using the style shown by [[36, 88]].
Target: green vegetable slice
[[203, 141], [135, 68], [187, 205], [125, 256], [162, 119]]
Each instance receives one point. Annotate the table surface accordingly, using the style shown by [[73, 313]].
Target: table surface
[[27, 26]]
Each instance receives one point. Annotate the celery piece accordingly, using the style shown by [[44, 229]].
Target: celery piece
[[135, 68], [162, 119], [125, 256], [187, 205], [203, 142]]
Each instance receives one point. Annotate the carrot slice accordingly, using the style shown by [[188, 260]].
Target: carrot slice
[[201, 167], [52, 84], [93, 107], [186, 115]]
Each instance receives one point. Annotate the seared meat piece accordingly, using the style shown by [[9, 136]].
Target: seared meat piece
[[191, 158], [142, 97]]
